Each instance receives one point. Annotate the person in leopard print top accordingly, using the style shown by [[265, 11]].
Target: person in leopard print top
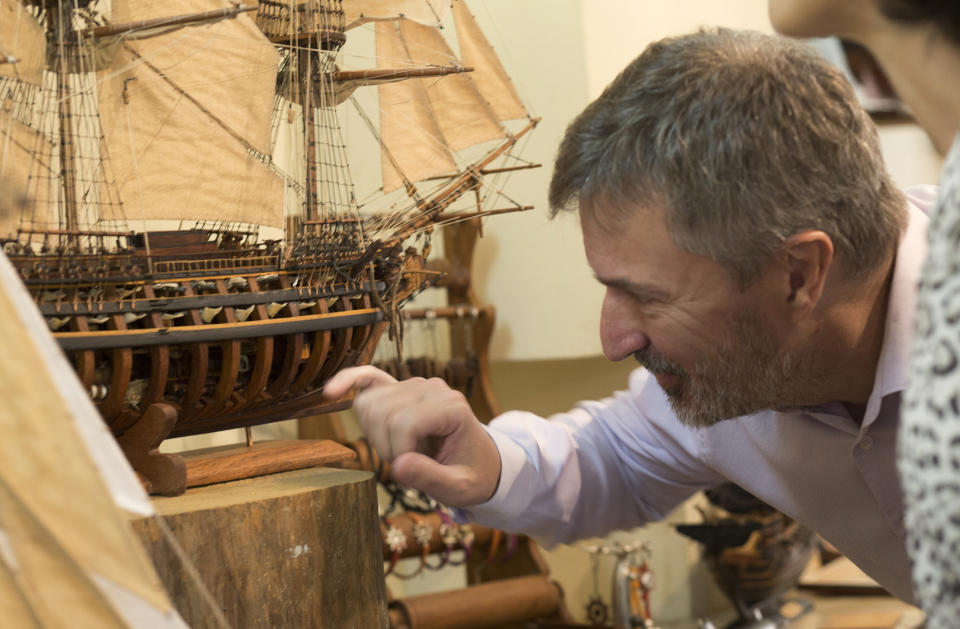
[[918, 44]]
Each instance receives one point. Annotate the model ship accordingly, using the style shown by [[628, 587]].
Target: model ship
[[188, 222]]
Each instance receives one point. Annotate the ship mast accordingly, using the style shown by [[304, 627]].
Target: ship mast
[[310, 31], [61, 25], [304, 68]]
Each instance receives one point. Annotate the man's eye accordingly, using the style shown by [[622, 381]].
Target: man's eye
[[643, 300]]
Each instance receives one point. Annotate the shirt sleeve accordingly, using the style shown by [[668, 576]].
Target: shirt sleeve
[[605, 465]]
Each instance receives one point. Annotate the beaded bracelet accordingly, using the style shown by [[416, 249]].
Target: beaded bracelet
[[448, 535], [464, 534], [396, 541], [422, 533]]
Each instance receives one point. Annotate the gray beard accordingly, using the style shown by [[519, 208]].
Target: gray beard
[[747, 373]]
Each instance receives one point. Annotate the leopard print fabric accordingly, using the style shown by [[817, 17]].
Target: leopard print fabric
[[929, 439]]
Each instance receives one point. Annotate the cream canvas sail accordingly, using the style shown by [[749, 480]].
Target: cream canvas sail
[[490, 77], [408, 124], [200, 95], [464, 117]]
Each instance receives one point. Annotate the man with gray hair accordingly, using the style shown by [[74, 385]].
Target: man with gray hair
[[760, 266]]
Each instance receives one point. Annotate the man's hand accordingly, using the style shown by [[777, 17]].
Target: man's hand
[[427, 430]]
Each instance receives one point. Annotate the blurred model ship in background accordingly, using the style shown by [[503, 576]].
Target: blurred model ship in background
[[755, 554], [190, 225]]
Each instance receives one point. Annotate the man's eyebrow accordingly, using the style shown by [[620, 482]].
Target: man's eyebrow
[[640, 291]]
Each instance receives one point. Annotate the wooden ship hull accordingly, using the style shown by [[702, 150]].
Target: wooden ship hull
[[228, 339]]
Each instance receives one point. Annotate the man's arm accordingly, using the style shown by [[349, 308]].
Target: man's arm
[[616, 463]]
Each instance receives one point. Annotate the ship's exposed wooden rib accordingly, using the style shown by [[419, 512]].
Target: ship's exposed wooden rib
[[229, 365], [363, 334], [120, 378], [318, 355], [257, 383], [199, 366], [292, 351], [83, 361], [341, 342], [159, 360]]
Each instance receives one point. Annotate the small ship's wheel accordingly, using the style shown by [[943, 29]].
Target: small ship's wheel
[[597, 611]]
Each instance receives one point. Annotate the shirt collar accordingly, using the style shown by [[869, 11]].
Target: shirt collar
[[894, 363]]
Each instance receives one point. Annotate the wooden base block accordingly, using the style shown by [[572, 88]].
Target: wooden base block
[[297, 549]]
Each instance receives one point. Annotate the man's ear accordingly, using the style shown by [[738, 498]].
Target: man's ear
[[808, 256]]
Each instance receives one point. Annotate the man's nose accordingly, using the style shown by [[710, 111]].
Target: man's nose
[[622, 330]]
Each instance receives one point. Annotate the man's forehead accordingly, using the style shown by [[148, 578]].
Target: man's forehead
[[614, 216], [638, 226]]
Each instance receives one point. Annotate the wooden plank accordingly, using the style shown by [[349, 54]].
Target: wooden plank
[[222, 464], [299, 549], [862, 620], [215, 331]]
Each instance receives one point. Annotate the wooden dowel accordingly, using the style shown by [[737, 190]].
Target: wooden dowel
[[508, 169], [484, 606]]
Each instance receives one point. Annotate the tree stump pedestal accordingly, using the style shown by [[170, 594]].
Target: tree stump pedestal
[[296, 549]]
